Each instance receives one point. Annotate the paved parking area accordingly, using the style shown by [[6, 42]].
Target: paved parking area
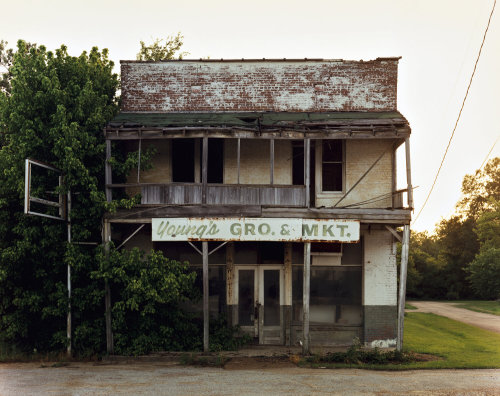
[[170, 379]]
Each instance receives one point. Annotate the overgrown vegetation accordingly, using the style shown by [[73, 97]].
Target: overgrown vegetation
[[462, 259], [53, 107]]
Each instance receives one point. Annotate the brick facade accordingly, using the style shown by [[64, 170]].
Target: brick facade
[[315, 86]]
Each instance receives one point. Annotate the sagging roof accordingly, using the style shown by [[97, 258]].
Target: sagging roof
[[291, 124]]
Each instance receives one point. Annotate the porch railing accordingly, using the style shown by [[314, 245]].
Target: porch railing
[[224, 194]]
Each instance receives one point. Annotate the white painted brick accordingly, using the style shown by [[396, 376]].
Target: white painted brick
[[379, 271]]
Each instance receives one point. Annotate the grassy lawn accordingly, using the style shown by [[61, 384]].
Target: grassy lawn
[[459, 344], [491, 307], [453, 344], [410, 307]]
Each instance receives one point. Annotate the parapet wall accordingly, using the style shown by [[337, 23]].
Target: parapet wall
[[238, 86]]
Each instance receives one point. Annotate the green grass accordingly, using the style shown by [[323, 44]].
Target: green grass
[[490, 307], [459, 344], [410, 307], [455, 344]]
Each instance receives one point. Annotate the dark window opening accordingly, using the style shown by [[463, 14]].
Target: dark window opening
[[298, 164], [183, 160], [332, 166], [352, 253], [215, 165], [330, 247]]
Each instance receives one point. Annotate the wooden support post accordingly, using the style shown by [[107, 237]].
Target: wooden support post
[[287, 314], [197, 164], [402, 286], [68, 319], [307, 171], [204, 173], [238, 160], [305, 298], [394, 177], [271, 153], [408, 173], [230, 278], [106, 238], [107, 291], [206, 312], [108, 177], [139, 162]]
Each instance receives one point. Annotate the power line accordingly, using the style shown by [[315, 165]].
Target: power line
[[489, 152], [459, 113]]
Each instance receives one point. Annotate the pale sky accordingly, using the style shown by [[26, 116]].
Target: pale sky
[[438, 41]]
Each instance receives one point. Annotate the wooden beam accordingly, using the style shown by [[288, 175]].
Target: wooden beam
[[197, 165], [206, 311], [271, 154], [323, 133], [107, 292], [402, 286], [307, 171], [394, 175], [238, 160], [204, 170], [230, 279], [139, 162], [408, 173], [108, 176], [393, 232], [305, 298]]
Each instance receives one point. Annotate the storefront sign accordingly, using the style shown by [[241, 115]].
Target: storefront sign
[[254, 229]]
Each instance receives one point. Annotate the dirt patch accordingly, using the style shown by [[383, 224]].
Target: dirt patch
[[425, 357], [258, 363]]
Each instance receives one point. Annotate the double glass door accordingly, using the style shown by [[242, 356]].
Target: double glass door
[[260, 297]]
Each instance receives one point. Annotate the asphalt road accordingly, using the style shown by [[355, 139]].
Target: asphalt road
[[168, 379], [479, 319]]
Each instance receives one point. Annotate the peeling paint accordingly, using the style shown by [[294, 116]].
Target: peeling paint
[[259, 86], [389, 343]]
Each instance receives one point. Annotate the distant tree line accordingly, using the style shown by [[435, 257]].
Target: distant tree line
[[462, 258]]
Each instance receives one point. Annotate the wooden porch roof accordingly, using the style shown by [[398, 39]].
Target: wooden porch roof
[[294, 125]]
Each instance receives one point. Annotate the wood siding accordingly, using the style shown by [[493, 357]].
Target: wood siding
[[224, 194]]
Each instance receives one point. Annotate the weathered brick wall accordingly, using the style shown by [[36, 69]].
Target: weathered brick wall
[[201, 86], [380, 325], [379, 272], [359, 156], [379, 289]]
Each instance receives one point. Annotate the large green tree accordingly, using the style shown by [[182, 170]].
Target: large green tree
[[461, 259], [53, 110]]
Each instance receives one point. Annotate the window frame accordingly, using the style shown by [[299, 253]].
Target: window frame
[[319, 170]]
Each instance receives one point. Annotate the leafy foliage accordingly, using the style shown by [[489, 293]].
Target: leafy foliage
[[159, 50], [480, 190], [147, 290], [461, 259], [54, 112]]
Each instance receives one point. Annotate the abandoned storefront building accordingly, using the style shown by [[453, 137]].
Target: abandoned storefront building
[[276, 180]]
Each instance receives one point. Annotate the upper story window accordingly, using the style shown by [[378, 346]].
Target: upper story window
[[187, 160], [332, 165]]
